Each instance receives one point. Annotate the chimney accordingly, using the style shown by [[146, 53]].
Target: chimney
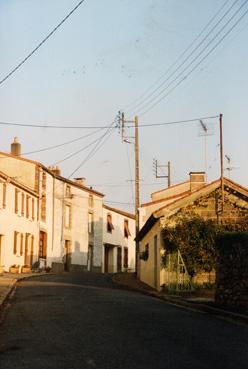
[[16, 147], [80, 180], [56, 170], [197, 180]]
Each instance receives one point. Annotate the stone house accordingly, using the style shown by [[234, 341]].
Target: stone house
[[18, 224], [118, 240], [194, 197]]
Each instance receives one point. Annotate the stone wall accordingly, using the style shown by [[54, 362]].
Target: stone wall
[[232, 270]]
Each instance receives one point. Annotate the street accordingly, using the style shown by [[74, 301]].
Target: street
[[73, 321]]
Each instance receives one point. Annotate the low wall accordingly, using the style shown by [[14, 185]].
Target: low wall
[[232, 269]]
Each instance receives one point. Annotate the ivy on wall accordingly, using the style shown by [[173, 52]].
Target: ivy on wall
[[196, 240]]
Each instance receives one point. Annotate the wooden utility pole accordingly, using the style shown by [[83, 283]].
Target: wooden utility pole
[[221, 165], [137, 178], [137, 191]]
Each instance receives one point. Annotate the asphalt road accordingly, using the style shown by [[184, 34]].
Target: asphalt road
[[76, 321]]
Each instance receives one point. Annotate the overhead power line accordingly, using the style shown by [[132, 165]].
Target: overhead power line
[[97, 147], [62, 144], [194, 67], [41, 43], [174, 122], [49, 126], [155, 87]]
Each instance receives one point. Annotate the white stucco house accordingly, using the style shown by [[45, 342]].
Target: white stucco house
[[18, 224], [68, 230], [118, 240]]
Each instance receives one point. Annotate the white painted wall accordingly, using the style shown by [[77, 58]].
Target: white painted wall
[[11, 222], [117, 238]]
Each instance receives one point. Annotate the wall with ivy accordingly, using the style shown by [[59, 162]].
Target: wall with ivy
[[232, 269]]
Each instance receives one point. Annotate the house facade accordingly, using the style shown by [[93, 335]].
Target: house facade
[[118, 240], [19, 224], [61, 222], [202, 200]]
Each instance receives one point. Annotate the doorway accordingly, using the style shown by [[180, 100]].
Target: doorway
[[67, 255], [119, 259]]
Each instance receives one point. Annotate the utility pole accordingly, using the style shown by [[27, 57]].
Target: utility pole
[[128, 139], [221, 164], [157, 175]]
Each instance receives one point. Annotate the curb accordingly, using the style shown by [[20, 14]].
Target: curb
[[218, 312], [13, 283]]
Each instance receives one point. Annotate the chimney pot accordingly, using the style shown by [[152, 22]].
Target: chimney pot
[[16, 147], [197, 180]]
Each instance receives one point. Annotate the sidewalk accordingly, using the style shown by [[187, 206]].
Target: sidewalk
[[8, 281], [205, 304]]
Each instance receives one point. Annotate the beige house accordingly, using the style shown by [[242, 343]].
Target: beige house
[[18, 224], [118, 240], [194, 197]]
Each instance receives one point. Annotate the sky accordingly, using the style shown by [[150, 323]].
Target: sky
[[107, 57]]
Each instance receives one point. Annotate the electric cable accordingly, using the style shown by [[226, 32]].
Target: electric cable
[[196, 66], [98, 145], [62, 144], [52, 126], [185, 51], [41, 43], [194, 60]]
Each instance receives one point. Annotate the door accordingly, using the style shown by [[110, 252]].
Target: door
[[106, 259], [119, 257], [67, 255], [155, 247]]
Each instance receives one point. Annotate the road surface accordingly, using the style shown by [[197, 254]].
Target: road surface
[[76, 321]]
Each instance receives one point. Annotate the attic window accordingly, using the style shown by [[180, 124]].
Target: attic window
[[110, 226], [126, 229]]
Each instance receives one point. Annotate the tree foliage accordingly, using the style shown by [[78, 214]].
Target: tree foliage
[[195, 238]]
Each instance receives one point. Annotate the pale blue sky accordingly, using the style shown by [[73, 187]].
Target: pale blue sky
[[104, 57]]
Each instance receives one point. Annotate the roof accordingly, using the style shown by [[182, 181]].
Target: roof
[[18, 184], [169, 188], [165, 199], [71, 182], [176, 205], [119, 211]]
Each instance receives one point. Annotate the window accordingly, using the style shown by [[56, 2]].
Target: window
[[110, 226], [67, 216], [125, 257], [68, 192], [126, 229], [90, 223], [43, 208], [91, 202], [43, 181]]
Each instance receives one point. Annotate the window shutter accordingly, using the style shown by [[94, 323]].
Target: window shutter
[[21, 246], [16, 200], [4, 195], [32, 208], [15, 242]]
